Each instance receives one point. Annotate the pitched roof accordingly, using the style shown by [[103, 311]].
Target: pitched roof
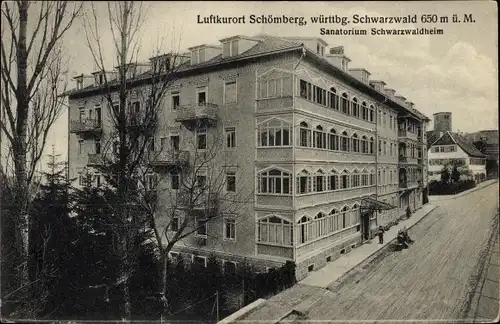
[[450, 138]]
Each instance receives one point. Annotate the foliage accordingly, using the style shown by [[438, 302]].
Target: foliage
[[445, 175], [443, 188], [455, 174]]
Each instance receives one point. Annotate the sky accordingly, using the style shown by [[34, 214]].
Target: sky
[[455, 72]]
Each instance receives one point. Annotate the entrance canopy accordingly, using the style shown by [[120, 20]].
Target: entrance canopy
[[373, 204]]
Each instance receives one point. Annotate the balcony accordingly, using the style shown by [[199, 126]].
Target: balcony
[[205, 113], [404, 134], [403, 184], [168, 158], [85, 126], [408, 160], [99, 159]]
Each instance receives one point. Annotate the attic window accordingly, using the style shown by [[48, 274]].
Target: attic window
[[198, 56], [230, 48]]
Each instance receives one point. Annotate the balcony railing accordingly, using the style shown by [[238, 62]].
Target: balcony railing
[[408, 160], [96, 159], [85, 126], [407, 134], [206, 111], [168, 158]]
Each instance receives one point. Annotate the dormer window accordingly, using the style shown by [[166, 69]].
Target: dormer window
[[320, 49], [230, 48], [198, 56], [79, 84]]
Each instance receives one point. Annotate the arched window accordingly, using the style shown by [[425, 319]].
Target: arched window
[[355, 179], [335, 223], [345, 216], [364, 112], [364, 145], [371, 145], [372, 113], [319, 138], [344, 103], [333, 140], [344, 180], [372, 178], [355, 215], [319, 183], [320, 225], [344, 142], [334, 99], [305, 135], [303, 182], [384, 177], [275, 132], [275, 182], [355, 143], [275, 230], [355, 107], [304, 229], [333, 180], [364, 178]]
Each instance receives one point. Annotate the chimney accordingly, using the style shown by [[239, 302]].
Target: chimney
[[378, 85], [390, 93], [338, 58], [361, 74]]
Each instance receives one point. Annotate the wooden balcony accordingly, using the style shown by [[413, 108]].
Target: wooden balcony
[[169, 158], [404, 134], [85, 127], [407, 160], [197, 114]]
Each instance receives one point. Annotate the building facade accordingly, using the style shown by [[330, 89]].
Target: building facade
[[452, 149], [314, 143]]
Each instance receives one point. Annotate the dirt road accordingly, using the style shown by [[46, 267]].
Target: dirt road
[[431, 280]]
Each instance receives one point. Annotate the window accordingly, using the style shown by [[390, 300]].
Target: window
[[274, 230], [344, 142], [319, 181], [344, 104], [355, 107], [275, 182], [230, 92], [334, 99], [231, 181], [345, 217], [201, 182], [198, 56], [176, 100], [97, 180], [201, 138], [229, 229], [305, 90], [79, 84], [229, 267], [364, 145], [333, 140], [136, 107], [201, 96], [344, 180], [385, 148], [364, 111], [390, 122], [355, 178], [305, 135], [230, 137], [174, 142], [278, 86], [355, 143], [201, 227], [81, 114], [305, 229], [303, 182], [230, 48], [200, 261], [380, 146], [371, 145], [174, 180], [333, 179], [275, 133], [81, 147], [372, 113], [319, 138], [81, 180]]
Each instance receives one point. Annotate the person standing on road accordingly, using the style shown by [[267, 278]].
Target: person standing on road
[[380, 234]]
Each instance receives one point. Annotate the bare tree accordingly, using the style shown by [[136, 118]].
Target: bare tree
[[202, 190], [132, 93], [32, 78]]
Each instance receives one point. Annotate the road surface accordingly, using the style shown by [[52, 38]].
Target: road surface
[[434, 279]]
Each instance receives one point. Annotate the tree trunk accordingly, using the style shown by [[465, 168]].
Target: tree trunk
[[19, 149], [164, 274]]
